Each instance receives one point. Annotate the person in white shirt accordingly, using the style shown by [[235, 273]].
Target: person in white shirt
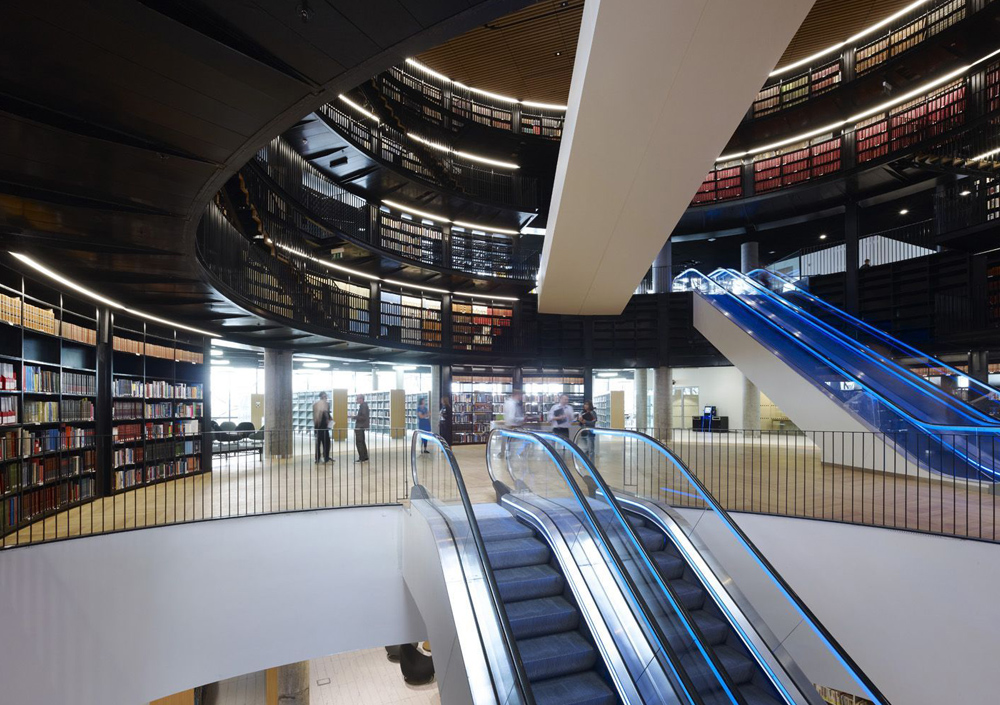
[[561, 416], [513, 410]]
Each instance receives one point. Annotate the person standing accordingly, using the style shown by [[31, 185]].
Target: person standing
[[588, 420], [513, 410], [561, 417], [423, 421], [362, 422], [322, 420], [444, 418]]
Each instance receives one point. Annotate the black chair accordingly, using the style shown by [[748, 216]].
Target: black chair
[[417, 667]]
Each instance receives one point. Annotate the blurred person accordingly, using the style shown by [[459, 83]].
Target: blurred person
[[362, 422], [322, 422]]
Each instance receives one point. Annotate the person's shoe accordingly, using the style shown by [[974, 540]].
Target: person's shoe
[[329, 460], [425, 451]]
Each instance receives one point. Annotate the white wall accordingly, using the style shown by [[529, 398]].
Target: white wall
[[126, 618], [721, 387], [918, 613]]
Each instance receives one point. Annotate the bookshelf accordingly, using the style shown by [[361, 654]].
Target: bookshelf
[[302, 420], [543, 388], [479, 326], [387, 409], [610, 409], [48, 389], [477, 400], [157, 405], [412, 320]]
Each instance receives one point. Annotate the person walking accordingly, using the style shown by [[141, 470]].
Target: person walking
[[362, 422], [561, 416], [588, 420], [513, 418], [423, 421], [444, 418], [322, 421]]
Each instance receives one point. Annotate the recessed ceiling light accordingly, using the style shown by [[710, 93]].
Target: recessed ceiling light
[[904, 211], [965, 193], [220, 362], [217, 353], [558, 53], [711, 239], [823, 236], [770, 252]]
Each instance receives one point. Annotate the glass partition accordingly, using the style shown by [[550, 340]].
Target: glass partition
[[535, 467], [771, 620], [439, 487]]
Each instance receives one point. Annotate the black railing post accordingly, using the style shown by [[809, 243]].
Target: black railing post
[[103, 403], [746, 177], [851, 254], [374, 310], [446, 329]]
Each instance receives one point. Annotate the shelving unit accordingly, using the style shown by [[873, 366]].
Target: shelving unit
[[157, 407], [542, 389], [610, 409], [478, 326], [48, 367], [409, 319], [477, 400]]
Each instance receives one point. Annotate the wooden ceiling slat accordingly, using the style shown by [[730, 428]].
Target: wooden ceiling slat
[[516, 55]]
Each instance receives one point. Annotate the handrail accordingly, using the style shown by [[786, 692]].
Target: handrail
[[672, 658], [520, 675], [793, 597], [665, 587], [888, 365], [877, 332]]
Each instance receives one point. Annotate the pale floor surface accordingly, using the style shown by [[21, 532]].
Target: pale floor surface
[[782, 475], [363, 677]]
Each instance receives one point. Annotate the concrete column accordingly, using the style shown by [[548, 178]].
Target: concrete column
[[641, 390], [663, 402], [278, 402], [749, 257], [434, 398], [400, 379], [663, 269], [293, 684], [750, 260], [374, 378]]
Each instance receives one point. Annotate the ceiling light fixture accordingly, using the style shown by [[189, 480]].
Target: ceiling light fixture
[[506, 99], [823, 236], [965, 193], [359, 108], [316, 365], [41, 268], [904, 211], [984, 155], [216, 363], [853, 119], [217, 353], [850, 40], [711, 239], [441, 219]]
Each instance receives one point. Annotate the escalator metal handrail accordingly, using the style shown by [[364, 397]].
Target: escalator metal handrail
[[945, 428], [520, 675], [987, 389], [890, 366], [673, 661], [793, 597], [692, 627]]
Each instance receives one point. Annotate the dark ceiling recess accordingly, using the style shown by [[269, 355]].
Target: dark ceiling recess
[[529, 54]]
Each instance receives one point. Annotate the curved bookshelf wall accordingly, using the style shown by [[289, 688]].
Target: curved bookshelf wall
[[297, 203]]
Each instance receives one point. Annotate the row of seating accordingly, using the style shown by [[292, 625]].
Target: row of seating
[[229, 438]]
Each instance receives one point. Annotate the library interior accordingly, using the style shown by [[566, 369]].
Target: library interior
[[496, 352]]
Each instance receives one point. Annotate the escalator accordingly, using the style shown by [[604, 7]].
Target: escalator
[[839, 383], [531, 612], [771, 646]]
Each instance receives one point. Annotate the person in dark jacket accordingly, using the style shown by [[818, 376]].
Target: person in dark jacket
[[362, 422], [444, 419], [321, 423]]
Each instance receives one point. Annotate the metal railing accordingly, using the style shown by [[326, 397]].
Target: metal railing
[[386, 144], [864, 478], [298, 200], [225, 474], [885, 247]]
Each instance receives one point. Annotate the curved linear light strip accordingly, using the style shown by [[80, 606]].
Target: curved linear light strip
[[496, 96], [915, 93], [394, 282], [361, 110], [850, 40], [41, 268], [441, 219]]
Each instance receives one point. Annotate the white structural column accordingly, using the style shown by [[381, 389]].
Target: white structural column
[[749, 261], [658, 88], [434, 399], [663, 402], [278, 402], [641, 392]]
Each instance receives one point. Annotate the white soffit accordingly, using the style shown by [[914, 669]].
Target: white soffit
[[658, 88]]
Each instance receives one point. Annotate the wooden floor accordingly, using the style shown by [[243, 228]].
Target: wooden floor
[[781, 475]]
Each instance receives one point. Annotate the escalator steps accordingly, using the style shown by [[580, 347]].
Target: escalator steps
[[546, 615], [503, 530], [651, 539], [672, 567], [556, 655], [690, 595], [579, 689], [755, 696], [714, 629], [514, 553], [528, 582], [738, 666]]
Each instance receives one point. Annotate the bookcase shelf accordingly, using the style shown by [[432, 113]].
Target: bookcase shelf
[[543, 388], [477, 400]]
